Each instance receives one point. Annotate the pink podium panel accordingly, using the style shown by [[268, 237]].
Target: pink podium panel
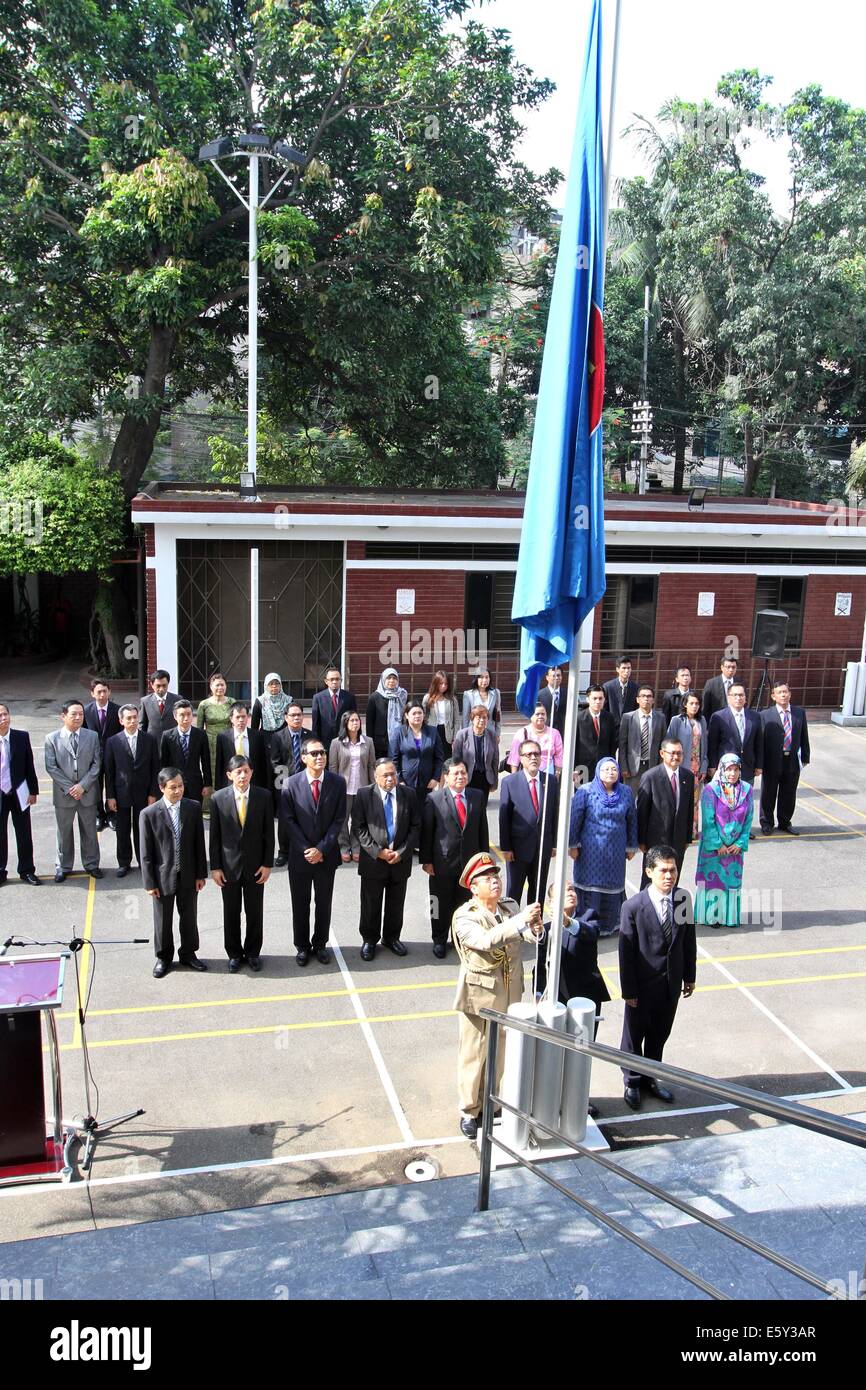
[[28, 986]]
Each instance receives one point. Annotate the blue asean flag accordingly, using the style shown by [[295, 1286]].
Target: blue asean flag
[[560, 568]]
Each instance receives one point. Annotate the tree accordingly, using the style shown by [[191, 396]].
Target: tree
[[123, 286]]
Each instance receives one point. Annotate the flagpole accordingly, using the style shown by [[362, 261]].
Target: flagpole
[[569, 733]]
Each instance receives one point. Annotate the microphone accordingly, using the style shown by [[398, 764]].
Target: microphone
[[10, 941]]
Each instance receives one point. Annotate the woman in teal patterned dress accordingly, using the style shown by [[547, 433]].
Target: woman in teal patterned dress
[[726, 818]]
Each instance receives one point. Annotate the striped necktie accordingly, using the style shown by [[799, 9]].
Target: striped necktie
[[174, 811], [644, 739], [786, 725], [666, 920]]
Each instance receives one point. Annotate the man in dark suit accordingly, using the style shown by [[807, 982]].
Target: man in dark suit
[[736, 730], [388, 824], [621, 692], [285, 752], [657, 962], [241, 858], [674, 699], [312, 812], [157, 706], [453, 828], [715, 696], [17, 770], [666, 806], [329, 706], [242, 742], [174, 870], [187, 747], [102, 715], [640, 739], [786, 749], [596, 734], [521, 813], [554, 697], [131, 767]]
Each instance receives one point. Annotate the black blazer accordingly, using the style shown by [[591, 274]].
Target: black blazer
[[304, 825], [519, 827], [579, 975], [240, 853], [616, 705], [376, 723], [21, 765], [225, 751], [715, 697], [545, 697], [196, 767], [659, 821], [649, 970], [464, 747], [326, 724], [443, 843], [416, 767], [673, 701], [125, 783], [112, 720], [368, 823], [591, 749], [157, 847], [723, 737], [282, 755], [774, 738]]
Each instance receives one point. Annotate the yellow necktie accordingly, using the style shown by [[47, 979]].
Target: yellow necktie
[[239, 749], [242, 811]]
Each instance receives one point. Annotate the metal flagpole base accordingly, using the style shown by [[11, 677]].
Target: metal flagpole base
[[546, 1149]]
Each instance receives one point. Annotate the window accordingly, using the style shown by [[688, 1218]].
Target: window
[[789, 596], [628, 613], [487, 608]]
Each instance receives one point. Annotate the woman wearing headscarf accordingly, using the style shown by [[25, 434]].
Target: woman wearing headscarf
[[602, 835], [352, 756], [690, 729], [726, 818], [269, 710], [385, 711]]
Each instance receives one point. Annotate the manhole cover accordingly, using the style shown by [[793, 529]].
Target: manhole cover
[[421, 1170]]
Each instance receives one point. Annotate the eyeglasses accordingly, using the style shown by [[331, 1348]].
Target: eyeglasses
[[315, 752], [536, 756]]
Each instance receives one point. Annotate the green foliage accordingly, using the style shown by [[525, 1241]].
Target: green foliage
[[59, 512]]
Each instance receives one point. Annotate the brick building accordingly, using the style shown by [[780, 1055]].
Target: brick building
[[421, 579]]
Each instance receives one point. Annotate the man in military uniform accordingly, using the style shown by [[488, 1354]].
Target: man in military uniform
[[487, 933]]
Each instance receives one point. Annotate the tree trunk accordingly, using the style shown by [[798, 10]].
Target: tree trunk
[[111, 626], [679, 425], [134, 443], [752, 463]]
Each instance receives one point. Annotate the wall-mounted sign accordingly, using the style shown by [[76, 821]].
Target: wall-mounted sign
[[706, 605], [843, 606], [406, 601]]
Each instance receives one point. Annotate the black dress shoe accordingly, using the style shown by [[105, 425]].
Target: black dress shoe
[[662, 1092], [632, 1097], [281, 861], [161, 968], [100, 824], [255, 963], [323, 956], [789, 830], [96, 873], [368, 950], [397, 947], [766, 829], [469, 1126], [235, 963], [60, 876], [123, 871], [303, 958], [192, 962], [31, 879], [592, 1111], [439, 949]]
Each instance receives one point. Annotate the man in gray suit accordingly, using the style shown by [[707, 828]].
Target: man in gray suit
[[640, 738], [156, 708], [72, 760]]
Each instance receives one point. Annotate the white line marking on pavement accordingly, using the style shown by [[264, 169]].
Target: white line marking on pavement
[[375, 1051]]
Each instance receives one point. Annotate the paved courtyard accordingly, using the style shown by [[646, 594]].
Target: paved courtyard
[[300, 1081]]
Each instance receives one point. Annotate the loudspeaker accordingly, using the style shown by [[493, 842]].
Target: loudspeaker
[[771, 625]]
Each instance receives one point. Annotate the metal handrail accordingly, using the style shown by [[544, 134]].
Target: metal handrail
[[836, 1127]]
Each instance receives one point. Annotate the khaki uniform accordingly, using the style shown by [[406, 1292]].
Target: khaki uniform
[[491, 977]]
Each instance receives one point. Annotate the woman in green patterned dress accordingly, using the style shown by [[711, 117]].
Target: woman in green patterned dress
[[214, 715]]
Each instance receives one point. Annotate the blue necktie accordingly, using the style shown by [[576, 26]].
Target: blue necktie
[[296, 751], [389, 817], [184, 738]]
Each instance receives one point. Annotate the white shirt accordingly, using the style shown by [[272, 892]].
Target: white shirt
[[312, 779], [132, 740], [657, 899], [740, 721]]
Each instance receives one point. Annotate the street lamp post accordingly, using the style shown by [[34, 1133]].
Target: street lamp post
[[253, 146]]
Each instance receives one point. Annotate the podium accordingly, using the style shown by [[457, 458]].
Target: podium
[[32, 1147]]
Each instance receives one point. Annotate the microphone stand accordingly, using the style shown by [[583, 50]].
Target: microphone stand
[[91, 1130]]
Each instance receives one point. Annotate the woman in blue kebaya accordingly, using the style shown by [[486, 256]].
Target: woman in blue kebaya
[[602, 836]]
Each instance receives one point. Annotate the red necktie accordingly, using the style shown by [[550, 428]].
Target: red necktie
[[162, 706], [461, 809], [334, 702], [533, 791], [314, 786], [595, 722]]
